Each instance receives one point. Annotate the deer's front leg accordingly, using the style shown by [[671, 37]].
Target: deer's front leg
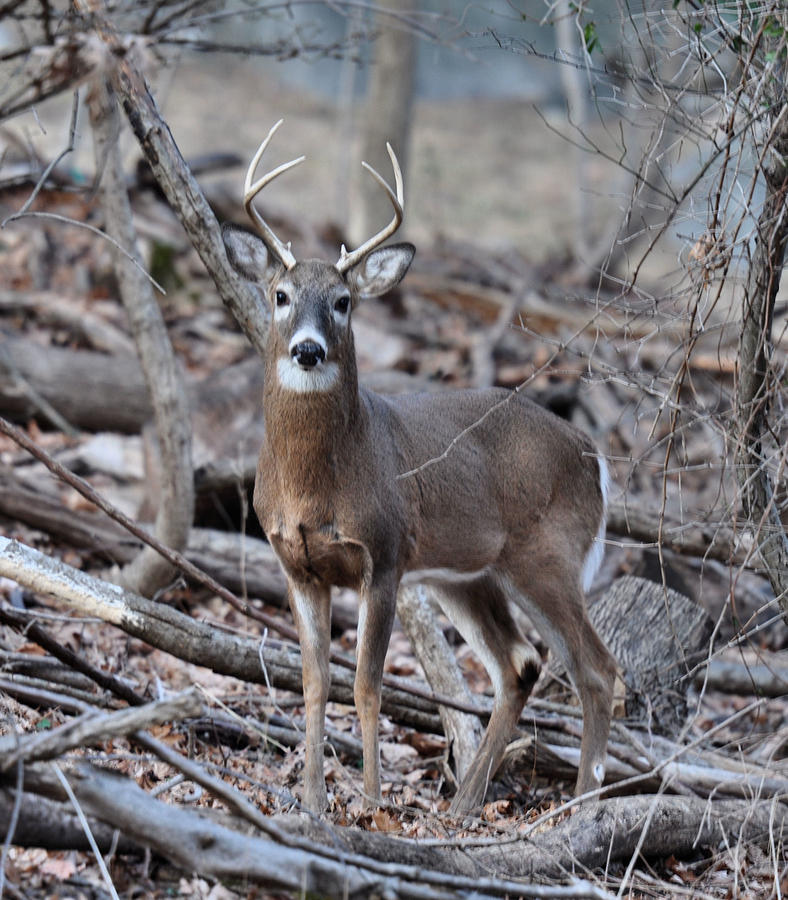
[[375, 619], [311, 607]]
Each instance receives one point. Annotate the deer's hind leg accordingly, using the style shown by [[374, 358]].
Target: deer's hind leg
[[479, 609], [552, 596]]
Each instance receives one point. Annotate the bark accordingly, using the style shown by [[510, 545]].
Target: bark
[[387, 119], [755, 380], [147, 572]]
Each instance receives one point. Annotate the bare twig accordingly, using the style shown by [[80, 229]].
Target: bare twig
[[26, 623], [88, 833]]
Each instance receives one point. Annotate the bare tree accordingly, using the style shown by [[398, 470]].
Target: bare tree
[[693, 109], [387, 111]]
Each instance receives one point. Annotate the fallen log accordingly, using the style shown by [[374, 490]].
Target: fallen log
[[666, 635], [709, 540], [55, 826], [94, 726], [90, 390], [244, 564], [306, 854], [764, 679]]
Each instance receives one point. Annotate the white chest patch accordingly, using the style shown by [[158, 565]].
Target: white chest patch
[[306, 381]]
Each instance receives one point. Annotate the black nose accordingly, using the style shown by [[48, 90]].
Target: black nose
[[308, 354]]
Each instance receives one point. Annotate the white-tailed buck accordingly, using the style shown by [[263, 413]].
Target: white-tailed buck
[[357, 489]]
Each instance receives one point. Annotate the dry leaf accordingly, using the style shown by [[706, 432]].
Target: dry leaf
[[497, 809], [383, 820], [32, 650], [392, 754], [425, 744], [61, 867]]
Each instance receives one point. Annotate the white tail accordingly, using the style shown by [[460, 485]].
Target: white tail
[[511, 517]]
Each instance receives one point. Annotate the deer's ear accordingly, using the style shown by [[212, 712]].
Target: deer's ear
[[382, 269], [248, 253]]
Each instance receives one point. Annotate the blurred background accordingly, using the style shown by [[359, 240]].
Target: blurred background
[[477, 101]]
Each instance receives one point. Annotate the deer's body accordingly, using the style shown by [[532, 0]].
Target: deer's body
[[459, 510], [491, 499]]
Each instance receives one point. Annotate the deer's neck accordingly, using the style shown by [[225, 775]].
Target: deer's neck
[[310, 435]]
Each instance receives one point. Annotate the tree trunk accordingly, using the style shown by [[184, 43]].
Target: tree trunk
[[755, 375], [148, 572], [387, 118]]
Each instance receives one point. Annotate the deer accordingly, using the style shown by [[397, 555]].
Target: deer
[[493, 501]]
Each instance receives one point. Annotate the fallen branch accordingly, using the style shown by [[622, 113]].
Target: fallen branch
[[327, 865], [707, 541], [197, 642], [595, 836], [94, 726], [239, 562], [463, 730], [89, 389], [761, 679], [23, 622], [54, 826], [240, 657], [71, 312]]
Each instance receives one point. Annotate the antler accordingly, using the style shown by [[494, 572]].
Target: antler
[[252, 190], [347, 260]]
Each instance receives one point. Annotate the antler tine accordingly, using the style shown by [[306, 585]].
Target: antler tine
[[347, 260], [251, 190]]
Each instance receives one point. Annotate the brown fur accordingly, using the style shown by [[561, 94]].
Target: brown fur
[[500, 491]]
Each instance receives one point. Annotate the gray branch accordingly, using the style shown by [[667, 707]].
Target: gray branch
[[147, 572]]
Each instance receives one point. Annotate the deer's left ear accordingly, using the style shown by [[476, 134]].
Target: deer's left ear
[[381, 270], [248, 254]]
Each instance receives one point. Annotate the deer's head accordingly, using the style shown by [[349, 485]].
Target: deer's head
[[311, 301]]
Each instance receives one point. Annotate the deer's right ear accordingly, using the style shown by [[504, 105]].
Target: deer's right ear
[[382, 269], [247, 253]]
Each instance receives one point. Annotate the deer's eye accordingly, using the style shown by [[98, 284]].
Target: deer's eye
[[342, 304], [281, 298]]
